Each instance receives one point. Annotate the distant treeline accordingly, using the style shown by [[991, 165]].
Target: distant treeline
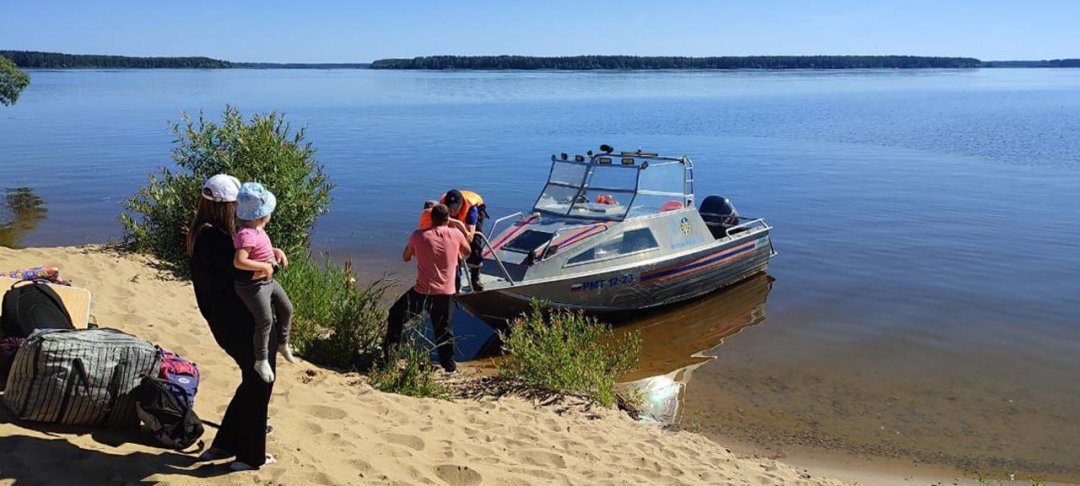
[[56, 60], [656, 62], [1052, 63]]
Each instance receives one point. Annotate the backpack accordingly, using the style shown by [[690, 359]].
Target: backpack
[[166, 415], [182, 374], [30, 305], [79, 376]]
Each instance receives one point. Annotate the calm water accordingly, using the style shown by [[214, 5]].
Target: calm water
[[926, 301]]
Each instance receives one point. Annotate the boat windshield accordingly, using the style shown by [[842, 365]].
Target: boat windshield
[[612, 191], [662, 187], [583, 191]]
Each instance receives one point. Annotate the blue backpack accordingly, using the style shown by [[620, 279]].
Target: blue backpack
[[180, 376]]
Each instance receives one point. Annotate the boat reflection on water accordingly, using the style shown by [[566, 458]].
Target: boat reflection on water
[[676, 341]]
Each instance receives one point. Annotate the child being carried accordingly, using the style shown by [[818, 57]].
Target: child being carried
[[256, 255]]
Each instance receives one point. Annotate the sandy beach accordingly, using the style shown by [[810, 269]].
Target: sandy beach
[[332, 428]]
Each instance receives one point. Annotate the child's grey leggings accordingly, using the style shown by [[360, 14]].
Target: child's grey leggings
[[267, 301]]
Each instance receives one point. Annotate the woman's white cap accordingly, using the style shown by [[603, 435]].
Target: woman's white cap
[[221, 188]]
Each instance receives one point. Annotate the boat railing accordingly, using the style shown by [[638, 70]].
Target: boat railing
[[491, 230], [495, 255], [752, 226], [747, 226]]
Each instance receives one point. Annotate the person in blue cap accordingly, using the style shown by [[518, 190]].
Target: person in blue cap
[[257, 259]]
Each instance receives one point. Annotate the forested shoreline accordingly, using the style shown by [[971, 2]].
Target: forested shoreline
[[675, 62], [56, 60], [1051, 63]]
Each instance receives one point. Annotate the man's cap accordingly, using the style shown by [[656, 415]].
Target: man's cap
[[454, 198]]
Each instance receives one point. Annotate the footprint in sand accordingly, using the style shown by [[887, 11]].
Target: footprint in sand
[[311, 428], [458, 475], [538, 457], [410, 441], [534, 473], [325, 412]]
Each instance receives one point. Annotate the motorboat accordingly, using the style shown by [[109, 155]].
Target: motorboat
[[613, 233]]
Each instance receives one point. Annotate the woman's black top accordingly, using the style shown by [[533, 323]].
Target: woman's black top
[[212, 274]]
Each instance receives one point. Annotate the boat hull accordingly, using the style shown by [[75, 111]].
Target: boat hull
[[622, 291]]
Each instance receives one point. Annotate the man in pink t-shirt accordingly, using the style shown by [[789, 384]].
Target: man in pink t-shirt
[[436, 250]]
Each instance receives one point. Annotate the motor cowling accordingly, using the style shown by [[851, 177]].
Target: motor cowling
[[719, 214]]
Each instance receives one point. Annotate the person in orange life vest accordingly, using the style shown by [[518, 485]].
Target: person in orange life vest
[[467, 214], [425, 218]]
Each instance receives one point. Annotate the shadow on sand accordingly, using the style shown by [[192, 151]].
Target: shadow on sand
[[31, 459]]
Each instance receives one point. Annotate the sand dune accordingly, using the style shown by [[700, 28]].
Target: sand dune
[[332, 428]]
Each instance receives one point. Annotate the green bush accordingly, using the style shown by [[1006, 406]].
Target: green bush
[[12, 81], [335, 320], [409, 372], [566, 352], [263, 148]]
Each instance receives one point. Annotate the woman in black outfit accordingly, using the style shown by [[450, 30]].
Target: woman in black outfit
[[210, 244]]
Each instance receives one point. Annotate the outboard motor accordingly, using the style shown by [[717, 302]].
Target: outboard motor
[[719, 214]]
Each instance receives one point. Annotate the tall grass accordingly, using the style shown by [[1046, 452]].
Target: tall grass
[[566, 352], [335, 321], [409, 372]]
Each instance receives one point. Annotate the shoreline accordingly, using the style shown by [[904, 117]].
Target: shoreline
[[332, 428]]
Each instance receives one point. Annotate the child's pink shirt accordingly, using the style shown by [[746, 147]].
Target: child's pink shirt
[[259, 242]]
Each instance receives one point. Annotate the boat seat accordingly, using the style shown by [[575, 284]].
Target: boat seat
[[719, 215]]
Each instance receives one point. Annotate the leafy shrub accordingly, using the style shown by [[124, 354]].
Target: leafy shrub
[[264, 149], [334, 319], [566, 352], [409, 372], [12, 81]]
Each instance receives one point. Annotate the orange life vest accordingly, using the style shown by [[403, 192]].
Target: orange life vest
[[471, 199], [425, 219]]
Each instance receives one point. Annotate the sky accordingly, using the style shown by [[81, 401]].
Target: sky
[[361, 31]]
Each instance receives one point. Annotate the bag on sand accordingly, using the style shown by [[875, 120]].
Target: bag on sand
[[30, 305], [79, 376], [163, 411], [182, 374]]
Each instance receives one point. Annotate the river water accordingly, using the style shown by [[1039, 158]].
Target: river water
[[925, 304]]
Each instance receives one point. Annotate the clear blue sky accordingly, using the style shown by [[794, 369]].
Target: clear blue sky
[[359, 31]]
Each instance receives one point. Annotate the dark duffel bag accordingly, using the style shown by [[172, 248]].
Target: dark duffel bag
[[79, 376], [166, 414], [30, 305]]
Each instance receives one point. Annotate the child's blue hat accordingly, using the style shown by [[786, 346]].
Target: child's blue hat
[[254, 202]]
